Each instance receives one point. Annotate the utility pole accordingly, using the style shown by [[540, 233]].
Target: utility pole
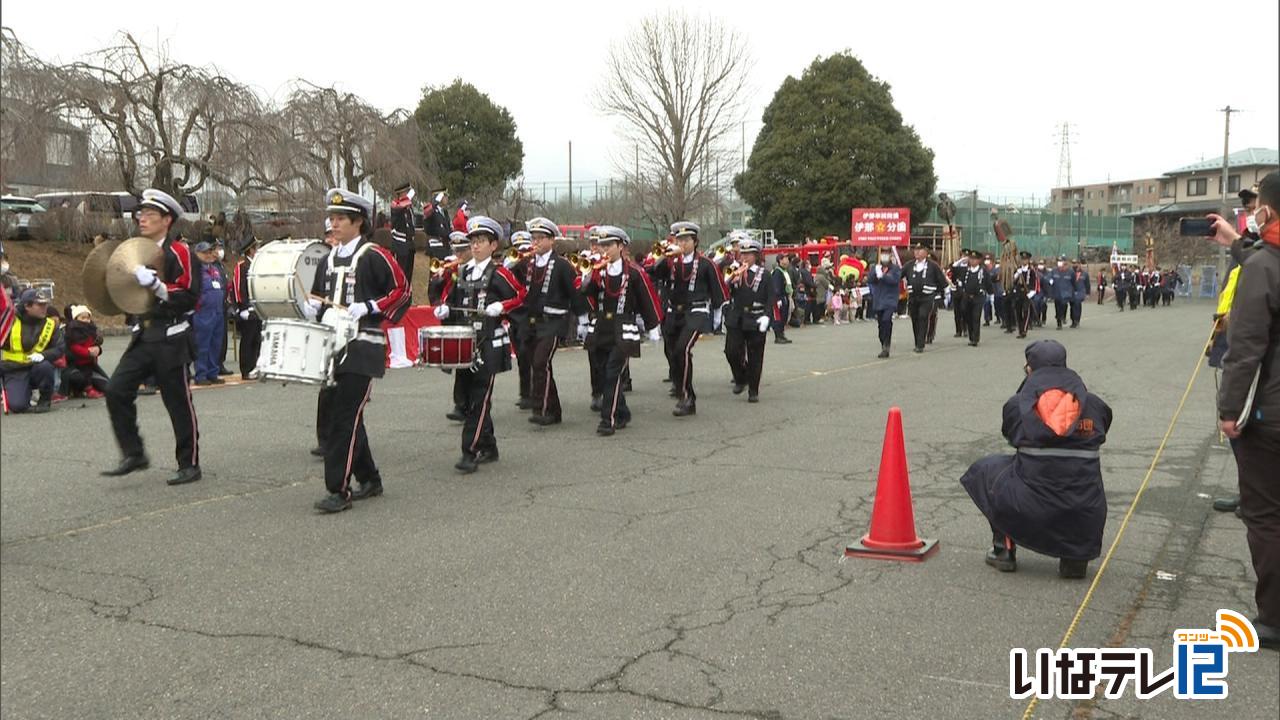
[[571, 175], [973, 218], [1225, 209]]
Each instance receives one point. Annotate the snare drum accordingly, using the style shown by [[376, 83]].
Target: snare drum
[[281, 275], [447, 346], [296, 351]]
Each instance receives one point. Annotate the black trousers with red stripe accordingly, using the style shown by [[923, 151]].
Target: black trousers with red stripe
[[545, 395], [680, 339], [744, 349], [613, 360], [346, 449], [167, 363], [477, 429]]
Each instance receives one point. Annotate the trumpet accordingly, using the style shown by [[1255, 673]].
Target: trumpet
[[515, 254], [735, 271], [437, 266]]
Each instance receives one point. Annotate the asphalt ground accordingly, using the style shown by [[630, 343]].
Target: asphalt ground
[[684, 568]]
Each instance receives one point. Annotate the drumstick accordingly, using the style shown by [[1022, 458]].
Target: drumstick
[[326, 301]]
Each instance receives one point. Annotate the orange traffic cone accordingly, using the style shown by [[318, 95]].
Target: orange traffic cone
[[893, 525]]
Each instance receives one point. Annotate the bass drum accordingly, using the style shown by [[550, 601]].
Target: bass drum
[[281, 275]]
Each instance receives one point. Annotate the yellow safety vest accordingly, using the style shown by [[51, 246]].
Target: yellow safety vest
[[13, 352]]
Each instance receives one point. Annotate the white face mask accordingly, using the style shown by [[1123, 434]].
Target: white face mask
[[1251, 223], [221, 253], [4, 267], [884, 257]]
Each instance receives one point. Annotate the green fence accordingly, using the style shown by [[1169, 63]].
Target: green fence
[[1045, 233]]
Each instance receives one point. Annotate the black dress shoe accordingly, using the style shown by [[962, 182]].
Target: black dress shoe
[[626, 386], [217, 381], [738, 388], [620, 424], [958, 335], [604, 430], [1072, 569], [333, 504], [185, 475], [673, 392], [202, 382], [544, 420], [781, 341], [130, 463], [466, 464], [884, 353], [666, 379], [369, 489], [148, 390], [486, 456], [684, 409], [317, 451], [1226, 504], [526, 404], [456, 415], [973, 344], [753, 398], [1003, 559], [917, 350]]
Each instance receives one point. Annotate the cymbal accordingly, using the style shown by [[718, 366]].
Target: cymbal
[[123, 287], [94, 278]]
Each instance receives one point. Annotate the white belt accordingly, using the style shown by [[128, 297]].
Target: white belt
[[554, 311], [372, 336]]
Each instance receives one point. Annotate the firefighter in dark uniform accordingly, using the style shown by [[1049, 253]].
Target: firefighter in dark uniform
[[1079, 290], [751, 310], [365, 278], [1122, 285], [160, 346], [550, 302], [621, 295], [1025, 288], [958, 269], [925, 284], [248, 324], [1047, 497], [484, 292], [437, 290], [696, 295], [973, 284]]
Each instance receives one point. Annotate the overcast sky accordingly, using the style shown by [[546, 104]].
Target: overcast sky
[[986, 84]]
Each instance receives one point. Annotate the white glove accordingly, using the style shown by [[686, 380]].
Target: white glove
[[34, 358], [763, 323], [160, 291], [715, 319], [441, 312], [311, 309], [357, 310], [1031, 294], [655, 335], [145, 276], [493, 309], [244, 314]]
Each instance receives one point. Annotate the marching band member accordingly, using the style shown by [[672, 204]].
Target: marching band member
[[550, 294], [402, 231], [696, 294], [751, 309], [518, 319], [484, 291], [364, 278], [621, 295], [435, 223], [160, 347], [248, 324]]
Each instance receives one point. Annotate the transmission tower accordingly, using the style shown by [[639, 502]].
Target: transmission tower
[[1064, 154]]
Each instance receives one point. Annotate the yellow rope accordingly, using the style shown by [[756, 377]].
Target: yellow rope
[[1075, 621]]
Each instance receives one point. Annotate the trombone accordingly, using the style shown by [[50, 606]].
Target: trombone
[[439, 267]]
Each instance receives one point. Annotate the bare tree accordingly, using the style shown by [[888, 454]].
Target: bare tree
[[677, 84]]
